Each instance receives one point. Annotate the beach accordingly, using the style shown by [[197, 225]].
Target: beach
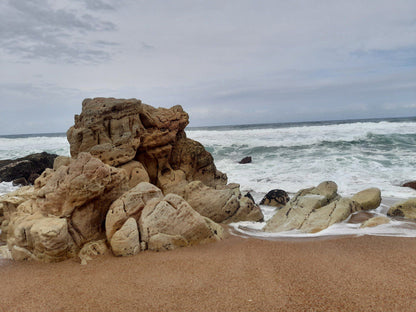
[[367, 273]]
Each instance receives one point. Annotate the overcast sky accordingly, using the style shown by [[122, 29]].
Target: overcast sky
[[225, 62]]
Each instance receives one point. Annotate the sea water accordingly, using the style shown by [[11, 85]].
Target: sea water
[[355, 154]]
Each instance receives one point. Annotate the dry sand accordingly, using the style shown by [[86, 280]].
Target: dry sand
[[237, 274]]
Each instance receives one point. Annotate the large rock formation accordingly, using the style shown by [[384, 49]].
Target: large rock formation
[[119, 131], [314, 209], [130, 165]]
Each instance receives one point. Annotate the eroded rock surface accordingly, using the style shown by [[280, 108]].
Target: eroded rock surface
[[221, 205], [171, 222], [312, 210], [69, 210], [405, 209]]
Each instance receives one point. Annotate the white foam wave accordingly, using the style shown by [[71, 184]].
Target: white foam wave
[[7, 187], [352, 167], [393, 228], [299, 136], [12, 148]]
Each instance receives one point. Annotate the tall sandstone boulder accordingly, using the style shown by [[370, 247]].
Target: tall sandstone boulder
[[118, 131]]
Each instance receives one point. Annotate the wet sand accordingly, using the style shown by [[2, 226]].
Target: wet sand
[[344, 274]]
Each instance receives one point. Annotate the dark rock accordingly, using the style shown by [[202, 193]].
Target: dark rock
[[249, 196], [411, 184], [20, 181], [245, 160], [33, 177], [26, 167], [275, 198]]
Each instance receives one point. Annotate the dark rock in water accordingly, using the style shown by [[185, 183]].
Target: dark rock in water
[[249, 196], [20, 181], [26, 167], [411, 184], [275, 198], [245, 160]]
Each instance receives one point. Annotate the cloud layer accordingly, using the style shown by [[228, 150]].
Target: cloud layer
[[226, 62]]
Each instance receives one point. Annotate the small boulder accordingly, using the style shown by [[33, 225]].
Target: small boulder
[[221, 205], [275, 198], [368, 199], [375, 221], [245, 160], [411, 184], [405, 209]]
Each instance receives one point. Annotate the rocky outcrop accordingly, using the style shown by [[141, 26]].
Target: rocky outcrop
[[130, 164], [312, 210], [368, 199], [275, 198], [405, 209], [121, 131], [27, 168]]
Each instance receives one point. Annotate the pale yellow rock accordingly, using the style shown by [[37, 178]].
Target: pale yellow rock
[[9, 204], [405, 209], [51, 240], [34, 236], [171, 222], [375, 221], [125, 242], [335, 212], [312, 210], [130, 204], [369, 198], [5, 252]]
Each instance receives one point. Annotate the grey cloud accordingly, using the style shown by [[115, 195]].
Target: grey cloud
[[98, 5], [34, 29]]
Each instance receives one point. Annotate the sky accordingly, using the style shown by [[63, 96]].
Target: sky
[[226, 62]]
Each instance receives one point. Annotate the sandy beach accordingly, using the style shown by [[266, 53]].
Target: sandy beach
[[366, 273]]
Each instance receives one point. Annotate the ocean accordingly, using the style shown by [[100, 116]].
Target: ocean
[[356, 154]]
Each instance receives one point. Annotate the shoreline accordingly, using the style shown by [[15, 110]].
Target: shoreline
[[237, 274]]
